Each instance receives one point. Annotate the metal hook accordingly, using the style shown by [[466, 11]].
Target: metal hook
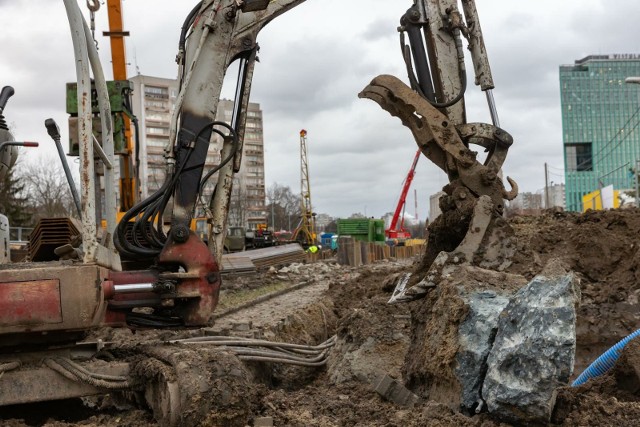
[[93, 5]]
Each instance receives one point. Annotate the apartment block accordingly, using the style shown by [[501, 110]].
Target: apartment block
[[154, 100]]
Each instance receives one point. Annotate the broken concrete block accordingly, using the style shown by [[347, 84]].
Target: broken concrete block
[[395, 392], [476, 335], [534, 349], [451, 332]]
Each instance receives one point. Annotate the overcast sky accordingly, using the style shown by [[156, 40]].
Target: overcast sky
[[313, 62]]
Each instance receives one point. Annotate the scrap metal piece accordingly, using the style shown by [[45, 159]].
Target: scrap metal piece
[[398, 292]]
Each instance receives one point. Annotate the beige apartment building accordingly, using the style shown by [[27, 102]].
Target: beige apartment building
[[153, 102]]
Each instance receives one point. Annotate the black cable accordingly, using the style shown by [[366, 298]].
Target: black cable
[[153, 321], [188, 22], [231, 155], [414, 80], [152, 208]]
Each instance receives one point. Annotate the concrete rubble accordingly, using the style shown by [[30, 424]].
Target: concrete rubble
[[493, 341], [477, 334], [534, 349]]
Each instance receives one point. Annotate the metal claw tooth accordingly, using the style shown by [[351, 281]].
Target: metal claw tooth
[[510, 195]]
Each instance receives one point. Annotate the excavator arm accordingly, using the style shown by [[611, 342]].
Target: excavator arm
[[219, 32], [470, 228]]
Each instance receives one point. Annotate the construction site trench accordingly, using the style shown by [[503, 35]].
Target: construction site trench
[[376, 373]]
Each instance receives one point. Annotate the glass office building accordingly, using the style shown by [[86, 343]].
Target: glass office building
[[600, 124]]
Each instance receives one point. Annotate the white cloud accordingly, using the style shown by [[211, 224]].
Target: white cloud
[[314, 61]]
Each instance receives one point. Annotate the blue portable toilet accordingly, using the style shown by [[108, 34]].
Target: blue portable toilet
[[325, 239], [334, 242]]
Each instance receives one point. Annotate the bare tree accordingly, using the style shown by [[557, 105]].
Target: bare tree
[[238, 205], [284, 208], [46, 190], [13, 202]]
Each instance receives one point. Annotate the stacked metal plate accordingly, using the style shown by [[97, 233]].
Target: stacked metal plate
[[237, 264], [276, 255], [49, 234]]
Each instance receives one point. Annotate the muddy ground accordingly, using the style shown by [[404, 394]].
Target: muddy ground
[[601, 247]]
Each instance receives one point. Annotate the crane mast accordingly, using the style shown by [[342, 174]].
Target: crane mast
[[116, 34], [306, 230], [395, 232]]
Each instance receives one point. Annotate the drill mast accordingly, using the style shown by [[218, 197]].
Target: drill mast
[[306, 230]]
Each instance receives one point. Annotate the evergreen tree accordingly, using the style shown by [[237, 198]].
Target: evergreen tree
[[14, 204]]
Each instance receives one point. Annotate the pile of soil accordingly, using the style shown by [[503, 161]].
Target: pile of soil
[[602, 247]]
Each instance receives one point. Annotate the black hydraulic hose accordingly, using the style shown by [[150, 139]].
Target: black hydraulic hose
[[421, 62], [406, 55], [186, 25], [166, 188], [234, 136], [422, 83], [188, 22], [153, 321], [156, 203], [121, 242]]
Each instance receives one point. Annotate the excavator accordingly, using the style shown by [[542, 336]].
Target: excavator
[[137, 273]]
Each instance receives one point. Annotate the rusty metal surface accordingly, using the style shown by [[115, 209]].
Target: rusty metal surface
[[79, 296], [194, 257], [50, 233], [441, 142], [39, 384], [30, 303]]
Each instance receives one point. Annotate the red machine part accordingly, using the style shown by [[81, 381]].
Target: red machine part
[[196, 292], [395, 230], [30, 302]]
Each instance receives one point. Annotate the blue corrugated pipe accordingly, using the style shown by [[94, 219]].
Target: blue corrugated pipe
[[605, 362]]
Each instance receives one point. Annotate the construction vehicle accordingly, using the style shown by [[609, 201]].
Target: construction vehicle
[[235, 240], [396, 231], [262, 237], [46, 309]]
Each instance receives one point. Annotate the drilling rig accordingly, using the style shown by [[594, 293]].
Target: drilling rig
[[305, 233]]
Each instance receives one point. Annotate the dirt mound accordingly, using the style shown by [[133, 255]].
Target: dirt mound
[[612, 399], [602, 247]]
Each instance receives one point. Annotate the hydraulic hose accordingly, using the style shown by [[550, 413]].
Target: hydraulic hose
[[606, 361], [9, 366], [70, 372]]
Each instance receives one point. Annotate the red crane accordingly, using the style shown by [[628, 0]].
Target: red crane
[[394, 231]]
